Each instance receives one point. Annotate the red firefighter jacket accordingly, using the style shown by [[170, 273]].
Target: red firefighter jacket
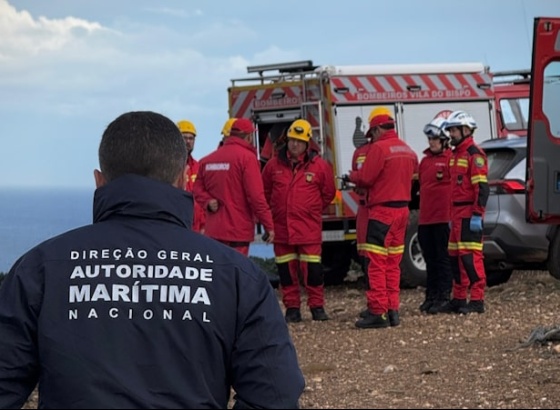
[[469, 178], [387, 171], [435, 188], [199, 217], [297, 196], [231, 175]]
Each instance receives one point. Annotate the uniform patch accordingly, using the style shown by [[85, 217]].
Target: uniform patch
[[309, 176], [479, 161]]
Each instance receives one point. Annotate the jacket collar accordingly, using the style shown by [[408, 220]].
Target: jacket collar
[[133, 196], [240, 142]]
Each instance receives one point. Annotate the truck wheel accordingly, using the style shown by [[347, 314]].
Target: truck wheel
[[554, 256], [336, 258], [497, 277], [413, 266]]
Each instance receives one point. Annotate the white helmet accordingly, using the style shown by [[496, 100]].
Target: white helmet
[[460, 118], [435, 129]]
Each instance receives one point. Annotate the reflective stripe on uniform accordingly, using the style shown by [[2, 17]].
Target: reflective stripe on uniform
[[286, 258], [472, 246], [380, 250], [310, 258]]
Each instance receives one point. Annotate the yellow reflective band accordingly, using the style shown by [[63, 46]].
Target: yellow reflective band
[[471, 246], [396, 250], [465, 246], [463, 163], [361, 246], [193, 177], [380, 250], [479, 179], [286, 258], [310, 258]]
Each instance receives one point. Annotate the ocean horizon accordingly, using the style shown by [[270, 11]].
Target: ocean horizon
[[29, 216]]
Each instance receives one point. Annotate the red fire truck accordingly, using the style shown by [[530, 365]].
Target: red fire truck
[[337, 100]]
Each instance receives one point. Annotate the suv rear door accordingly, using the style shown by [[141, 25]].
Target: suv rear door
[[543, 165]]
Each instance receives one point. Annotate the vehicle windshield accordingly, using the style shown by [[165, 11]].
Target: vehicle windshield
[[515, 112]]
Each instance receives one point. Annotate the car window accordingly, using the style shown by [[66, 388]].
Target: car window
[[499, 163], [518, 172]]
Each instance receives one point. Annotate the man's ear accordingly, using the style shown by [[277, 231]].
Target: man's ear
[[99, 178], [182, 178]]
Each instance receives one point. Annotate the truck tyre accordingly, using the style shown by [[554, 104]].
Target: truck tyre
[[336, 258], [554, 256], [497, 277], [413, 266]]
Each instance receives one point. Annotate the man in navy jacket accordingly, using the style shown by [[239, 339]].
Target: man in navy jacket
[[137, 310]]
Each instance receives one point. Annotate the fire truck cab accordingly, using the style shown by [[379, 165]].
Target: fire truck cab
[[337, 100]]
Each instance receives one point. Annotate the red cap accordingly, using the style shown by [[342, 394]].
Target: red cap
[[242, 126], [379, 120]]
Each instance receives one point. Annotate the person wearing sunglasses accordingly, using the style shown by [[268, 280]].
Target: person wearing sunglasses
[[299, 185], [434, 215]]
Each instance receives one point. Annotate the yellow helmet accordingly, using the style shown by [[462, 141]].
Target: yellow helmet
[[379, 111], [300, 130], [227, 127], [186, 127]]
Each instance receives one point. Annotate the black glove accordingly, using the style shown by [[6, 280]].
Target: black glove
[[345, 178]]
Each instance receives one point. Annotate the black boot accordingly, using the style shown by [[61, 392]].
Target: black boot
[[454, 306], [474, 306], [437, 306], [426, 305], [365, 313], [293, 315], [319, 314], [394, 319], [373, 322]]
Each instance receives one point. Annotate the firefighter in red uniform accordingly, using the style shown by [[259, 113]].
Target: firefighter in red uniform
[[298, 185], [434, 216], [229, 187], [387, 174], [188, 130], [358, 160], [469, 184]]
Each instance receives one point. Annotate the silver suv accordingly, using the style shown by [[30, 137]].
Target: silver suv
[[509, 241]]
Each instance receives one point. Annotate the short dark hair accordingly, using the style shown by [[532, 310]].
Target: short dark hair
[[142, 143]]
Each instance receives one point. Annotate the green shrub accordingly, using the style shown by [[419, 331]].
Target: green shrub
[[267, 265]]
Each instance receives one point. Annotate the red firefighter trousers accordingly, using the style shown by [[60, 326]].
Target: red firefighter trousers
[[293, 260], [465, 252], [384, 249], [362, 221]]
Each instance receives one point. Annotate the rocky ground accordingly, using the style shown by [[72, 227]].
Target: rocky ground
[[441, 361]]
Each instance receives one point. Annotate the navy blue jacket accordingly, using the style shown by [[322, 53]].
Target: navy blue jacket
[[138, 311]]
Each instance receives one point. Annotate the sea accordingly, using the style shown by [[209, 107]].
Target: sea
[[30, 216]]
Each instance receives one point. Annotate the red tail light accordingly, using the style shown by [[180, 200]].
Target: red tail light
[[507, 187]]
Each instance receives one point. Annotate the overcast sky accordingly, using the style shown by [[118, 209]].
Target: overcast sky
[[69, 67]]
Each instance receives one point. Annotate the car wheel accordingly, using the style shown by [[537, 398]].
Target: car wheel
[[497, 277], [413, 265], [554, 256], [336, 258]]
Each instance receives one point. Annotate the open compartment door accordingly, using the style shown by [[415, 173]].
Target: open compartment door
[[543, 165]]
